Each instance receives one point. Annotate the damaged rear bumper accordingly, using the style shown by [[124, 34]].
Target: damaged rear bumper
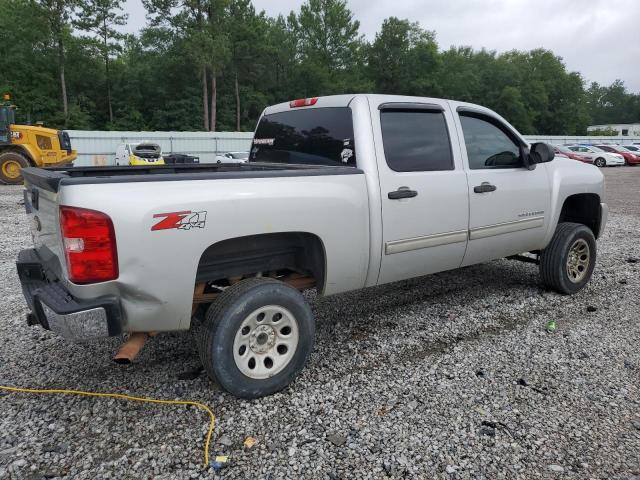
[[54, 308]]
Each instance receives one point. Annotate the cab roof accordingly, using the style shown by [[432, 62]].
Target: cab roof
[[374, 99]]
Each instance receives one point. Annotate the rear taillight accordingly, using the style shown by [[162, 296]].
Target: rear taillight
[[303, 102], [89, 243]]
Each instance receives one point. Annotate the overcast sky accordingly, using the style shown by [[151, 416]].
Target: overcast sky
[[598, 38]]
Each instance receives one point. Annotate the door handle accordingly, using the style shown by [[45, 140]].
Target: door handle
[[402, 192], [484, 187]]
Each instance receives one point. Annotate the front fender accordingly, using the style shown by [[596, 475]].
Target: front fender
[[571, 177]]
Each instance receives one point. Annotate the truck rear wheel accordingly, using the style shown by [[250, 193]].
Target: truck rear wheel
[[10, 165], [567, 263], [257, 337]]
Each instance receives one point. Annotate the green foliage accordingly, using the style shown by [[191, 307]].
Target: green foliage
[[100, 19], [27, 72], [330, 47], [603, 132], [164, 77], [612, 104], [403, 59]]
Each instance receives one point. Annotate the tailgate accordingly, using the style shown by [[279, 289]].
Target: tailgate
[[41, 206]]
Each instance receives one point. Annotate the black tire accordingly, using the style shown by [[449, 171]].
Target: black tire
[[553, 259], [11, 158], [223, 321], [600, 162]]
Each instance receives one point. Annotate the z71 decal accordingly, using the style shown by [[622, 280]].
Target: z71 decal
[[180, 220]]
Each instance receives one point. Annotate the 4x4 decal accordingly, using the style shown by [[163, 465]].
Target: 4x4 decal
[[184, 220]]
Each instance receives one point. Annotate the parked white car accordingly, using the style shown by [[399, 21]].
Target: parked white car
[[233, 157], [599, 157]]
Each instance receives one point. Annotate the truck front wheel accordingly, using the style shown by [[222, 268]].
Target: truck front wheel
[[256, 337], [567, 263], [10, 165]]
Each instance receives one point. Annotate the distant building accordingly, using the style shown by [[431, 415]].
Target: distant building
[[623, 129]]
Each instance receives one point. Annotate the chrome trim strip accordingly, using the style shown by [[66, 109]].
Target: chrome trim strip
[[417, 243], [507, 227]]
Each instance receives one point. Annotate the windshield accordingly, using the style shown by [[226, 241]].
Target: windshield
[[315, 136]]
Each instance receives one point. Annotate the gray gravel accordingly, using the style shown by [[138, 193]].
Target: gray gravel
[[448, 376]]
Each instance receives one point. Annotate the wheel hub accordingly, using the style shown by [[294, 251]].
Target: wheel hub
[[11, 169], [266, 342], [262, 339], [578, 260]]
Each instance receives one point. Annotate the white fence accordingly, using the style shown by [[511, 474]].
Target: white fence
[[99, 147], [564, 139]]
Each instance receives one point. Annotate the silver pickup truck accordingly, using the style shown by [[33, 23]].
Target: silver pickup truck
[[340, 193]]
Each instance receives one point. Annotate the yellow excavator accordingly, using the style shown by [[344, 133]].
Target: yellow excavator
[[29, 145]]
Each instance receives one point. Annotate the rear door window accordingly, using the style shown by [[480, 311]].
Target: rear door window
[[416, 141], [313, 136]]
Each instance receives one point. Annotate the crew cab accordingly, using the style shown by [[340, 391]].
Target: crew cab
[[340, 193]]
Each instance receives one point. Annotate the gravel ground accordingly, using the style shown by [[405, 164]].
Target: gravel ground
[[448, 376]]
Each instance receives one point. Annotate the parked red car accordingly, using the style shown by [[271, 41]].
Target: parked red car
[[562, 150], [630, 158]]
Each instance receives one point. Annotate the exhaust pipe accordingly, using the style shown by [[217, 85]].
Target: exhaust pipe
[[129, 350]]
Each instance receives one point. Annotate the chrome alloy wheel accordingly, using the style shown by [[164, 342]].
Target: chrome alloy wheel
[[578, 260], [266, 342]]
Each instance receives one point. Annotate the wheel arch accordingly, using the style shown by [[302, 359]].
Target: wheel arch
[[21, 149], [255, 254], [583, 208]]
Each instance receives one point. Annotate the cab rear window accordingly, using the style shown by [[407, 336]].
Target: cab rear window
[[313, 136]]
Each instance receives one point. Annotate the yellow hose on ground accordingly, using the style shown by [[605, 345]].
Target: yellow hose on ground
[[122, 396]]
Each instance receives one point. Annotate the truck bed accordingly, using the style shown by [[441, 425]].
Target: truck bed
[[52, 178]]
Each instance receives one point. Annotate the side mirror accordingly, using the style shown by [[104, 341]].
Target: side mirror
[[540, 153]]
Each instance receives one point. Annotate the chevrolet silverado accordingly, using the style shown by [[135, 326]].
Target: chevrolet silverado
[[340, 193]]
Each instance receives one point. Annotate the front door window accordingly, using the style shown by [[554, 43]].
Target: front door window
[[488, 146]]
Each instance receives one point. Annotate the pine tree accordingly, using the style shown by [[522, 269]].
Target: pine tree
[[59, 14], [99, 18]]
